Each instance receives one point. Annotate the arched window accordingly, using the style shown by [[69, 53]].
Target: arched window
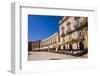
[[62, 34], [62, 28], [68, 26]]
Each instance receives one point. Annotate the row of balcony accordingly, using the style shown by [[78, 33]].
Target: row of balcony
[[77, 28]]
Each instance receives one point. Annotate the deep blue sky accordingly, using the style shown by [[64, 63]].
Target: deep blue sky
[[41, 26]]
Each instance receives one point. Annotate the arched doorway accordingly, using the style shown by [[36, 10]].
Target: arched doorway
[[63, 47], [70, 47], [81, 45]]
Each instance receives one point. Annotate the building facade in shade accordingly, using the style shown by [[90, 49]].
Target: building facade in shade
[[35, 45], [73, 33], [50, 41], [30, 46]]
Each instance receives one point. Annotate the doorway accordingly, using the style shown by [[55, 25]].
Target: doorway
[[81, 45]]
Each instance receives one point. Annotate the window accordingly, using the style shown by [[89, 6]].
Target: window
[[68, 26]]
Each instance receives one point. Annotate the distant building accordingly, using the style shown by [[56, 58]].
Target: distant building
[[33, 45], [50, 41], [36, 45], [30, 46]]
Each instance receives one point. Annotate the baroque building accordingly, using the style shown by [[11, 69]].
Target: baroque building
[[50, 42], [73, 33], [35, 45]]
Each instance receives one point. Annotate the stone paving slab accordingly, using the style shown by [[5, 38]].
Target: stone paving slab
[[50, 56]]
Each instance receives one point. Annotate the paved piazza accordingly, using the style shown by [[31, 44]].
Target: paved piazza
[[51, 56]]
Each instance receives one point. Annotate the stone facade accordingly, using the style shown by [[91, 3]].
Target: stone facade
[[50, 41], [35, 45], [74, 32]]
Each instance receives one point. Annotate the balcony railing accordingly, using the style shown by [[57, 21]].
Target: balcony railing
[[76, 28], [63, 34]]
